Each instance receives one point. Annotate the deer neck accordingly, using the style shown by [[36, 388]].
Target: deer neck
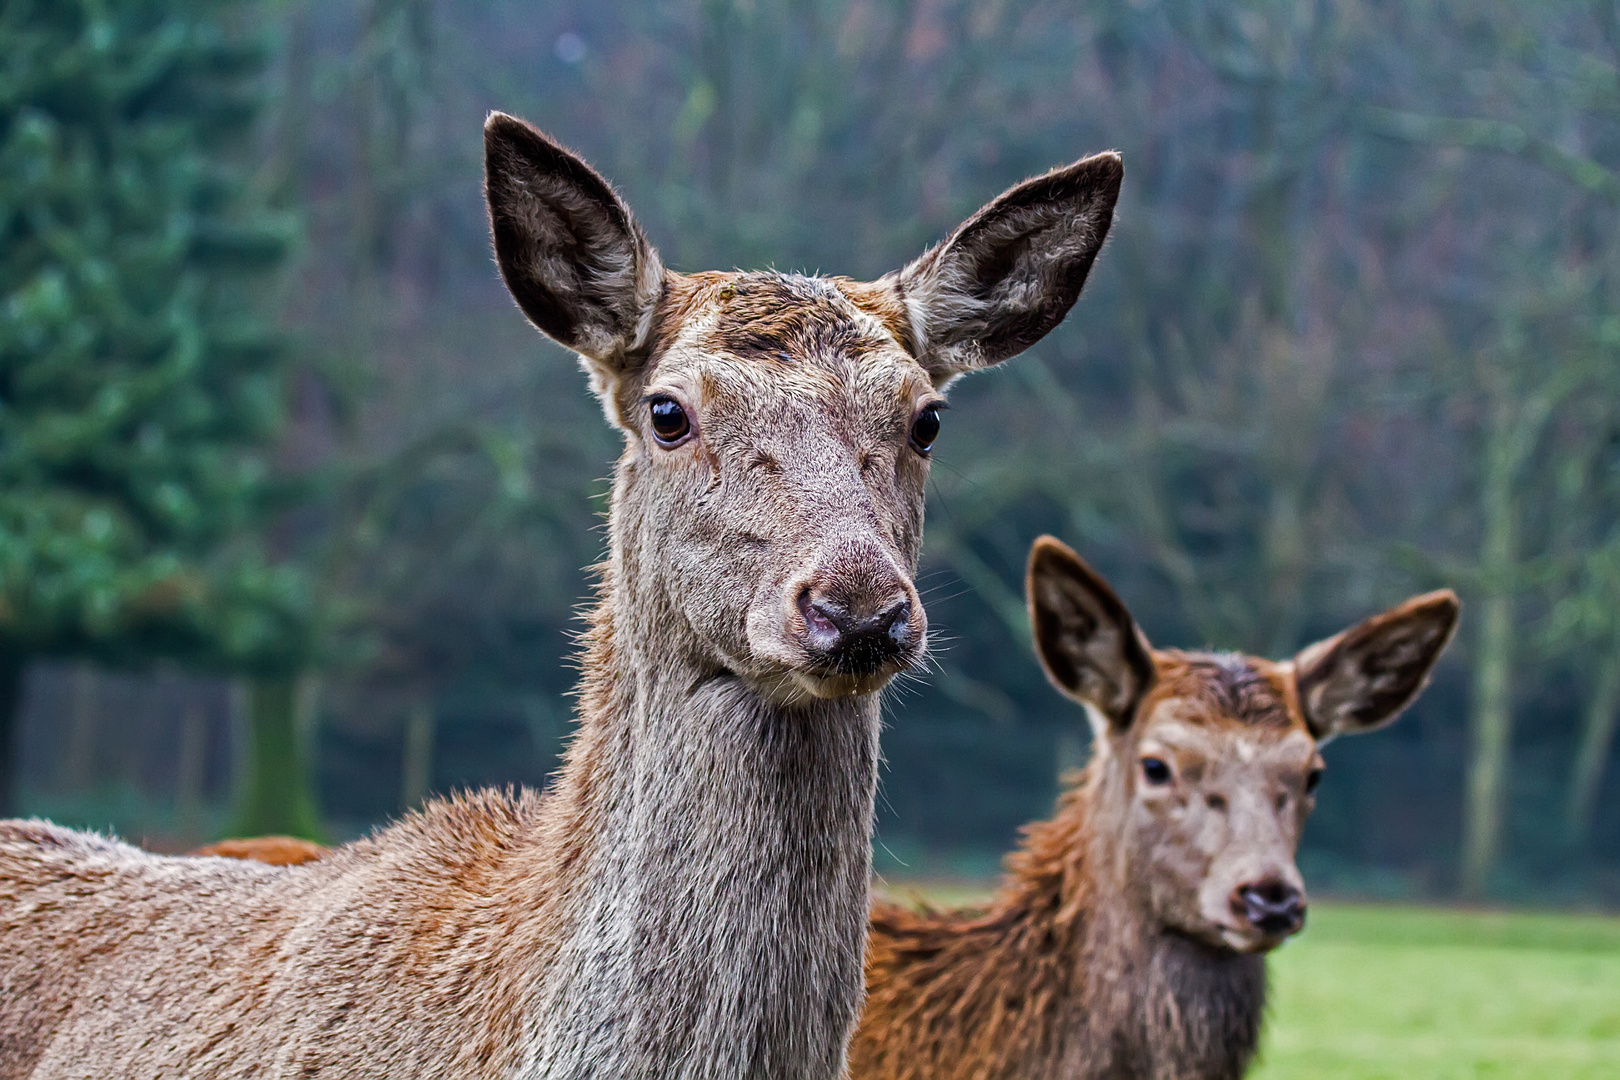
[[1152, 1001], [713, 849]]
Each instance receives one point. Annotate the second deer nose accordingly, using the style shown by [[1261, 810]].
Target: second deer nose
[[856, 642], [1273, 907]]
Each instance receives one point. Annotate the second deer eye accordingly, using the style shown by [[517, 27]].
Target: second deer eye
[[1155, 771], [925, 429], [669, 422], [1312, 779]]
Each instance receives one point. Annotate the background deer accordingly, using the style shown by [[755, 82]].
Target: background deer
[[272, 850], [690, 898], [1128, 938]]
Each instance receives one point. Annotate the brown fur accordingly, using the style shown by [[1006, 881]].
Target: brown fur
[[690, 899], [270, 850], [1099, 957]]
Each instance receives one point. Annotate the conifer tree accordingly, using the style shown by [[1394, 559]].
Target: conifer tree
[[140, 376]]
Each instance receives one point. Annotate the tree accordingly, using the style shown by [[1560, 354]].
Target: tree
[[140, 380], [1541, 101]]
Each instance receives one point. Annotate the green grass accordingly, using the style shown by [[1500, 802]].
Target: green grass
[[1376, 992]]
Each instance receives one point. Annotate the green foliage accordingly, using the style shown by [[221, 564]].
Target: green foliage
[[140, 381]]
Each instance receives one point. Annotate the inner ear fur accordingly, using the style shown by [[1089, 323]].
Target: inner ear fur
[[1362, 679], [1009, 274], [568, 247], [1085, 637]]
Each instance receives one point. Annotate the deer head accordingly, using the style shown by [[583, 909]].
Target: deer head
[[778, 427], [1206, 765]]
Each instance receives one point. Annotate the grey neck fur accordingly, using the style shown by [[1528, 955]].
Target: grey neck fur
[[717, 928]]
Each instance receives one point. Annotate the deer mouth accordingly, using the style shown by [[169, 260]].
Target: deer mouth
[[837, 684], [815, 677], [1250, 943], [1260, 935]]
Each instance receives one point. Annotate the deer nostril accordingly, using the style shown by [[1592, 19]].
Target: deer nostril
[[1272, 906], [854, 643], [827, 614], [822, 621], [895, 621]]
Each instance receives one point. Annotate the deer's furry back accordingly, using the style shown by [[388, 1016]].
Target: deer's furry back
[[242, 969]]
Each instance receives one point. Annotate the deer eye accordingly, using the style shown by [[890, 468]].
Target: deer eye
[[1312, 779], [669, 422], [1155, 771], [925, 429]]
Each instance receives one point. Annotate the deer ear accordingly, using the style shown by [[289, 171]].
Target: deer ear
[[1361, 679], [572, 255], [1086, 639], [1009, 274]]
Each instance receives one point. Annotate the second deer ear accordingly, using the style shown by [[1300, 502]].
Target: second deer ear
[[1361, 679], [570, 251], [1085, 638], [1009, 274]]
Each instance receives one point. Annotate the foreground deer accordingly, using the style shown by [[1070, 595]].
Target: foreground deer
[[690, 898], [1128, 939]]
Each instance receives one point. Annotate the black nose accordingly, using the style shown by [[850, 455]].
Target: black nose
[[855, 642], [1272, 906]]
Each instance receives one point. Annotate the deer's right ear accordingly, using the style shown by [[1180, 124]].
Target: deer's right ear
[[1087, 641], [1009, 273], [570, 251]]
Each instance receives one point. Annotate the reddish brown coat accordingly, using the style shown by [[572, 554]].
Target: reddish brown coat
[[1116, 947]]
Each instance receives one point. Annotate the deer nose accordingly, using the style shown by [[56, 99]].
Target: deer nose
[[1272, 906], [853, 641]]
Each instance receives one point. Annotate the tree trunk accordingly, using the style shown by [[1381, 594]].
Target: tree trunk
[[416, 778], [1492, 730], [191, 770], [1491, 722], [79, 763], [1597, 738], [12, 669], [276, 795]]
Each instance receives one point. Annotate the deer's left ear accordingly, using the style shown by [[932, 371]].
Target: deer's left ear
[[1361, 679], [1009, 274]]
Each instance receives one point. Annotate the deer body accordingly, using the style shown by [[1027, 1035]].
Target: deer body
[[1127, 939], [272, 850], [749, 839], [689, 899]]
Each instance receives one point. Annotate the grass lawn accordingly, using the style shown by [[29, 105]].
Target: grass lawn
[[1374, 992]]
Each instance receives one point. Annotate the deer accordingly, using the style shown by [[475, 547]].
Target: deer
[[689, 895], [1127, 940], [272, 850]]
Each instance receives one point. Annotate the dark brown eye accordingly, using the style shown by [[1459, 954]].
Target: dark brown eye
[[1155, 771], [669, 422], [925, 429], [1312, 779]]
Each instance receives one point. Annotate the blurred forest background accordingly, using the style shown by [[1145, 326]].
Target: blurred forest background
[[294, 506]]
